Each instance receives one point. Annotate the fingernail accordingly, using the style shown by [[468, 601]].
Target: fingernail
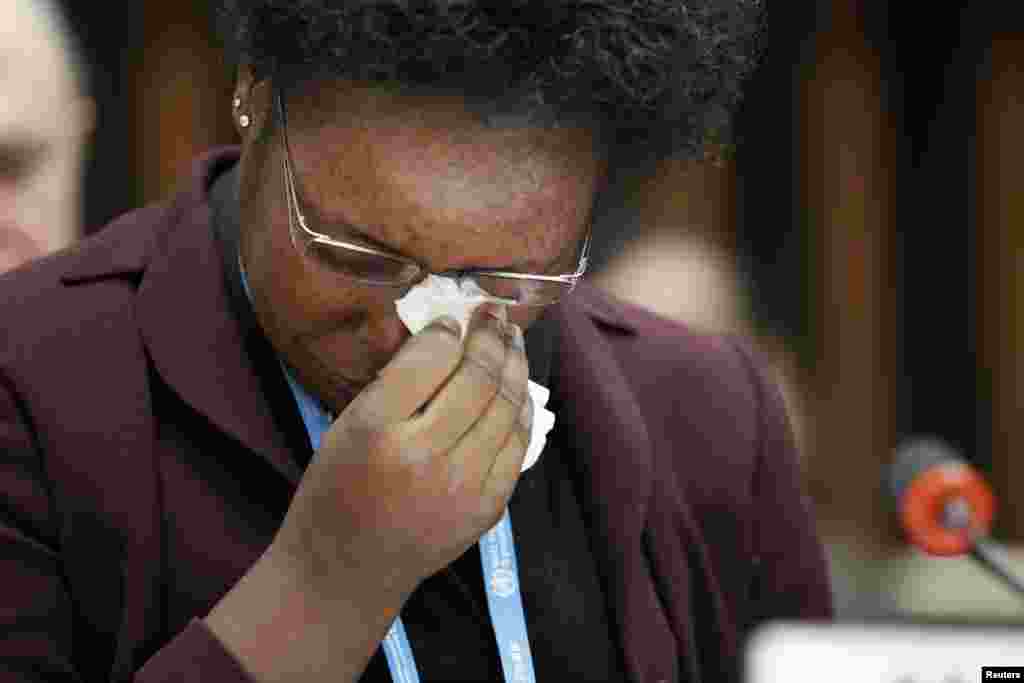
[[516, 334], [448, 323]]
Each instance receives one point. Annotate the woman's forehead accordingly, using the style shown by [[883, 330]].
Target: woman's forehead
[[421, 174], [330, 101], [435, 153]]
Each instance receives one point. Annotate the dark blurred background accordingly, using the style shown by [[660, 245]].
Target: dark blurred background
[[866, 230]]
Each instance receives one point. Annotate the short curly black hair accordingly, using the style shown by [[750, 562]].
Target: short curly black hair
[[659, 77]]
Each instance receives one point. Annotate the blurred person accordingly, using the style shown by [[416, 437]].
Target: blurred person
[[45, 119], [225, 458], [684, 273], [673, 248]]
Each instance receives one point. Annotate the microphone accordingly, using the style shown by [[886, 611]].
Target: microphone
[[946, 507], [943, 502]]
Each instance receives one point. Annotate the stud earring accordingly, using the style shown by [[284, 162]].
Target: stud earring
[[244, 121], [237, 102]]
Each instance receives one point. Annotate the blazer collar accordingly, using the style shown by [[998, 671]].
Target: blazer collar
[[614, 454], [606, 311], [194, 340]]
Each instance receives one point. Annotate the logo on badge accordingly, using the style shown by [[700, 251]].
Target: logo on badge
[[503, 582]]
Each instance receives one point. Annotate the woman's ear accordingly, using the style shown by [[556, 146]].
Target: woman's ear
[[250, 105]]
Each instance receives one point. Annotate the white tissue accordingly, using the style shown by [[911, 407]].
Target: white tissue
[[437, 296]]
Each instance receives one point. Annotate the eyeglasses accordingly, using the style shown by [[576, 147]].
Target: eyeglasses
[[368, 265]]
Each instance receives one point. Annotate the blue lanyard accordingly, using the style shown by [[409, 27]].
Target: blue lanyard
[[501, 580], [501, 573]]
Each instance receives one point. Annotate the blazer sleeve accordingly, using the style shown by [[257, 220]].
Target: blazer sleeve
[[791, 577], [37, 623], [35, 608]]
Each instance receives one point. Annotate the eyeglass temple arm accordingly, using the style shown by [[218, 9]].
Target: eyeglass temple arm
[[289, 188], [566, 277]]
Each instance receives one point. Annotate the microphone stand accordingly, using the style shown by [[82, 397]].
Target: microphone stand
[[993, 557], [985, 551]]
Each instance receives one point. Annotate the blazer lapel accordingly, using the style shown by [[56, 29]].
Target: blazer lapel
[[196, 343], [609, 436]]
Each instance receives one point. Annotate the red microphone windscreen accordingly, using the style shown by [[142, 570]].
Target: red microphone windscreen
[[924, 505]]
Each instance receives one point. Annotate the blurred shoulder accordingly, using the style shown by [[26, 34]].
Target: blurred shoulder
[[66, 287]]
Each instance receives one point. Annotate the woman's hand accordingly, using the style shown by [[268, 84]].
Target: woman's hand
[[419, 466]]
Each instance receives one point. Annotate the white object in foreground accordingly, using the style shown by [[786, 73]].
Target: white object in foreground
[[880, 652]]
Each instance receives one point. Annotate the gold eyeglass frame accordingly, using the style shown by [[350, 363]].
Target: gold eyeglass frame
[[297, 221]]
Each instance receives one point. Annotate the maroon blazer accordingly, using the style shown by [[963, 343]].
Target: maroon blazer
[[141, 472]]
